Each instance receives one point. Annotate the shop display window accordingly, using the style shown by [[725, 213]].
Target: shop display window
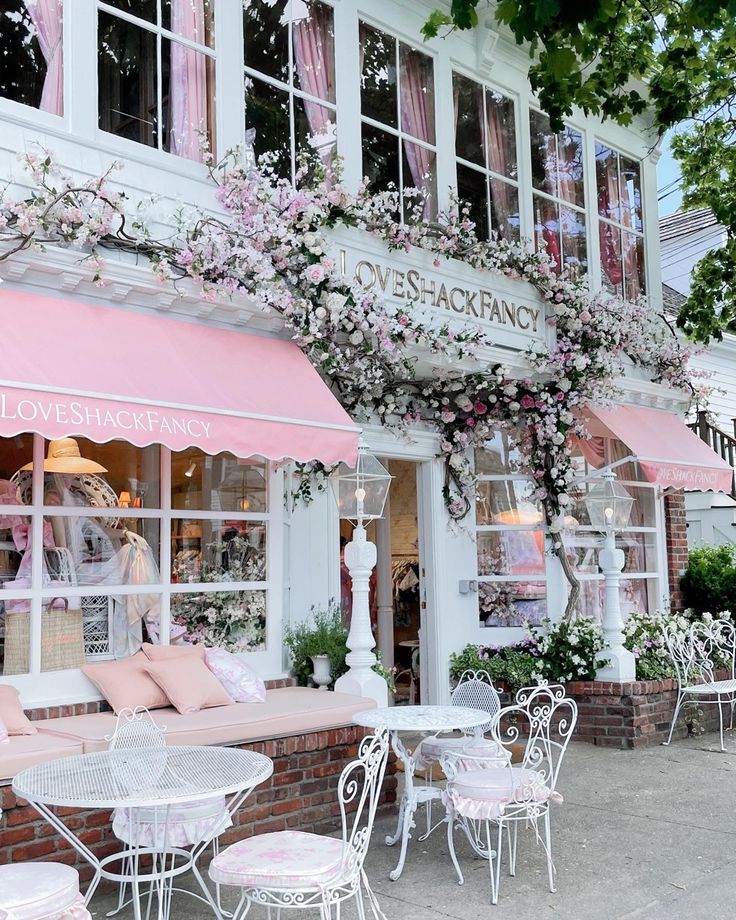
[[289, 54], [117, 553], [559, 193], [156, 73], [485, 148], [398, 118], [32, 62], [620, 223]]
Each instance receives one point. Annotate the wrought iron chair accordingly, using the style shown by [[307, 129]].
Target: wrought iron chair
[[297, 870], [542, 720], [696, 655], [476, 691], [158, 827]]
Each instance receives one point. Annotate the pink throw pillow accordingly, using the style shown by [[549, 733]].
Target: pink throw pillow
[[188, 683], [11, 712], [238, 678], [125, 684], [167, 652], [4, 736]]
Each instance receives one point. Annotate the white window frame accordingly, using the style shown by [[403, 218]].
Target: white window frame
[[398, 132], [290, 89], [70, 685], [485, 170]]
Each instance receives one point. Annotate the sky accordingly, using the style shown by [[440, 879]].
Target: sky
[[670, 196]]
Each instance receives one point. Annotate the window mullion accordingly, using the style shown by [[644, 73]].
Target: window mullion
[[165, 554], [36, 625]]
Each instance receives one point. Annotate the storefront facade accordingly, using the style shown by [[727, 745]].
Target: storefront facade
[[196, 538]]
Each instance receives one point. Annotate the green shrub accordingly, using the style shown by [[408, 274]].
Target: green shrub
[[709, 584], [513, 665], [569, 651]]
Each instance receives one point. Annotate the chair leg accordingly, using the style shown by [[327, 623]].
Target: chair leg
[[513, 834], [733, 703], [548, 848], [720, 720], [429, 801], [359, 905], [451, 845], [495, 870], [678, 706]]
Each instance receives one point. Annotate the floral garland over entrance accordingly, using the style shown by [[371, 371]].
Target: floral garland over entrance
[[269, 242]]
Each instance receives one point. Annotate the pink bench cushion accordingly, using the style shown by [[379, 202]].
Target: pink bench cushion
[[287, 711], [28, 750]]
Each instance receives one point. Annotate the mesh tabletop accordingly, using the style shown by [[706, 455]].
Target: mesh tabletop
[[421, 718], [122, 778]]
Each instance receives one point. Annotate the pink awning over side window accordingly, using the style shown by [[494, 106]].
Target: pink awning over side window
[[668, 452], [72, 368]]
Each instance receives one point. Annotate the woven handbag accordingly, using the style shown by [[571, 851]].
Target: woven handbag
[[62, 638]]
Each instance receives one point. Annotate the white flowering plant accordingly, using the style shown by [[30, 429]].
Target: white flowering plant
[[568, 650], [269, 242]]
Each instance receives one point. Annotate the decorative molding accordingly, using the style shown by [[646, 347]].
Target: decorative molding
[[70, 281], [486, 39]]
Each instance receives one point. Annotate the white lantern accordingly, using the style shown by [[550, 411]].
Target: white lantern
[[361, 491], [609, 505]]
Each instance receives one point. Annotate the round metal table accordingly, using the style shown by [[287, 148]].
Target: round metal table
[[129, 779], [430, 720]]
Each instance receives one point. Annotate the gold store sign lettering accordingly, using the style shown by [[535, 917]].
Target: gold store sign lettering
[[478, 303]]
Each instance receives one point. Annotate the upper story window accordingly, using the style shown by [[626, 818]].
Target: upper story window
[[156, 73], [558, 194], [31, 59], [485, 148], [290, 79], [620, 224], [397, 110]]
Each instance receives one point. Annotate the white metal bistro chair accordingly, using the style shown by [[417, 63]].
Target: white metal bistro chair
[[183, 826], [475, 690], [543, 720], [697, 655], [292, 870]]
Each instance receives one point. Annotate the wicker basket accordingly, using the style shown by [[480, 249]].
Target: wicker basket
[[62, 639]]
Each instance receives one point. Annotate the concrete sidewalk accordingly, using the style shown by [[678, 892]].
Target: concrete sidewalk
[[641, 834]]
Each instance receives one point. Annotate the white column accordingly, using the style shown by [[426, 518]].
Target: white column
[[361, 679], [621, 664], [385, 587]]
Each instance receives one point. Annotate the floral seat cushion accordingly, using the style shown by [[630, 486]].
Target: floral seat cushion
[[285, 859], [486, 793], [40, 891], [433, 748], [183, 825]]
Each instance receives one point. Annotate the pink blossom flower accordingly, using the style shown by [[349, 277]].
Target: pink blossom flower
[[315, 273], [527, 401], [480, 408], [470, 422]]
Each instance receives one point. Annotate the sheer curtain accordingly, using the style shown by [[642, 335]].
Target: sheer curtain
[[498, 159], [188, 80], [629, 245], [46, 16], [608, 206], [314, 56], [417, 115]]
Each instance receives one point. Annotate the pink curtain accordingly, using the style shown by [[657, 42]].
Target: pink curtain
[[417, 115], [188, 80], [546, 229], [498, 159], [608, 204], [629, 247], [314, 56], [47, 21]]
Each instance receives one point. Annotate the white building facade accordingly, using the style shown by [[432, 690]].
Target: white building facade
[[100, 81]]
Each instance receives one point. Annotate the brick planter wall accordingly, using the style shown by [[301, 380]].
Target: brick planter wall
[[301, 793], [633, 714]]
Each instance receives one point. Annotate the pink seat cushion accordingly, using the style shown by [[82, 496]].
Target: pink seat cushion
[[27, 750], [125, 684], [188, 683], [285, 859], [32, 891], [287, 711], [182, 825], [11, 712], [486, 793]]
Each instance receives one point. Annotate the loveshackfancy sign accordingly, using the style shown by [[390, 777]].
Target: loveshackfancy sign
[[512, 310]]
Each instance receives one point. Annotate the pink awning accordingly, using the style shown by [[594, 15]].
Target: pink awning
[[70, 368], [668, 452]]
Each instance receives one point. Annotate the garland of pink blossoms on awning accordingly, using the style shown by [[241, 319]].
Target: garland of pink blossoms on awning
[[269, 241]]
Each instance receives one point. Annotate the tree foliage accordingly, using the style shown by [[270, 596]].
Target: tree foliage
[[672, 60]]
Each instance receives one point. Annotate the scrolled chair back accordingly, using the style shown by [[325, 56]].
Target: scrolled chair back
[[142, 748], [542, 720], [358, 792], [476, 691], [716, 642]]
